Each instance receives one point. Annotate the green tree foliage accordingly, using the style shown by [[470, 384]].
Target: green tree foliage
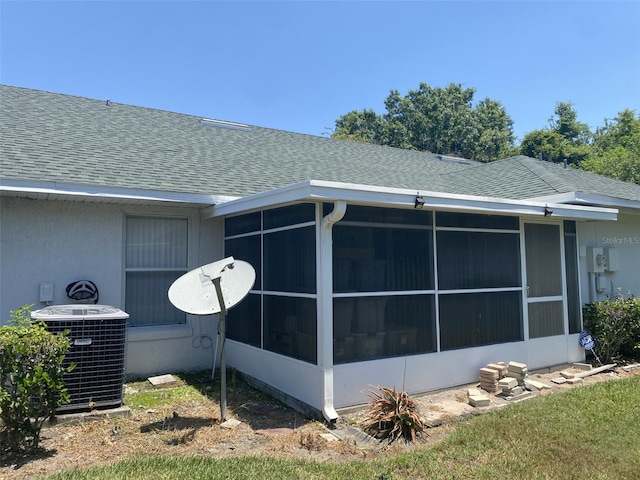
[[616, 149], [566, 138], [31, 379], [438, 120]]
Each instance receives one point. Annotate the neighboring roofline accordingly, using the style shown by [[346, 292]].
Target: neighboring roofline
[[318, 190], [51, 190], [588, 199]]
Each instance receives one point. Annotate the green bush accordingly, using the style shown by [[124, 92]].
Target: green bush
[[31, 379], [615, 327]]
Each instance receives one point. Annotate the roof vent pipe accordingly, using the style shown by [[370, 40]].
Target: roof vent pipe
[[540, 156], [565, 163]]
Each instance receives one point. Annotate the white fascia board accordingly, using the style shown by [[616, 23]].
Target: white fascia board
[[323, 191], [589, 199], [97, 193]]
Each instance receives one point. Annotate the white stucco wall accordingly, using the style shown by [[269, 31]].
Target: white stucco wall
[[622, 235], [62, 242]]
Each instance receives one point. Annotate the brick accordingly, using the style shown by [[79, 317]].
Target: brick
[[507, 383], [516, 391], [488, 373], [516, 365], [479, 401], [496, 366], [566, 374], [518, 376], [534, 385], [490, 388], [517, 368], [473, 392]]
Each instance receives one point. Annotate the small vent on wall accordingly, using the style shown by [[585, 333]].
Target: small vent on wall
[[209, 122]]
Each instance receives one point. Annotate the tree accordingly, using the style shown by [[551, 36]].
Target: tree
[[566, 124], [438, 120], [566, 138], [616, 149], [365, 126]]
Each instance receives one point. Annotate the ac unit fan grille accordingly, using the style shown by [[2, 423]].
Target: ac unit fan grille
[[98, 353]]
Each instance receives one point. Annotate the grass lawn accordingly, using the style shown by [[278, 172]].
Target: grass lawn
[[591, 432]]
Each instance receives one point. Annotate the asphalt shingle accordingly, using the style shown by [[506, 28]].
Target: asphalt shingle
[[62, 138]]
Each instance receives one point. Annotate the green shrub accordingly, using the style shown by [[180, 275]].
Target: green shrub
[[31, 383], [615, 327]]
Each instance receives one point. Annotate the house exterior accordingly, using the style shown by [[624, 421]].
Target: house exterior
[[375, 265]]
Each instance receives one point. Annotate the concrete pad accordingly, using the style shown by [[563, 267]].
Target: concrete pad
[[574, 381], [162, 379], [567, 374], [559, 380], [83, 417], [231, 423]]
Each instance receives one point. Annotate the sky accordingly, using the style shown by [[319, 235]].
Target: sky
[[300, 65]]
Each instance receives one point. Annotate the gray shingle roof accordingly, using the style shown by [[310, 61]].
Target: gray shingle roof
[[48, 136], [68, 139], [524, 177]]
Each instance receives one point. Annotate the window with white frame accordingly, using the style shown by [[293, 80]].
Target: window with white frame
[[155, 256]]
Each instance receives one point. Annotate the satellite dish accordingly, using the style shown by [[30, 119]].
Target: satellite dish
[[195, 291], [214, 288]]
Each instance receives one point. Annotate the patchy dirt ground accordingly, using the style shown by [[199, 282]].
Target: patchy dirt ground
[[267, 428]]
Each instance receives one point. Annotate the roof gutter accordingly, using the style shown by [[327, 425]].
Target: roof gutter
[[72, 191], [323, 191], [325, 307], [580, 198]]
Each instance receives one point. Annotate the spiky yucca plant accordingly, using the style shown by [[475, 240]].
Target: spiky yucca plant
[[392, 415]]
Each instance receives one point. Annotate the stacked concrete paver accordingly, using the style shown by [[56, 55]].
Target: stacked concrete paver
[[507, 380]]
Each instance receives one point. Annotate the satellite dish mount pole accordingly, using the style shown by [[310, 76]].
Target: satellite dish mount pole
[[223, 362]]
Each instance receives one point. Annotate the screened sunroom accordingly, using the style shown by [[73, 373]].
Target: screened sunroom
[[360, 286]]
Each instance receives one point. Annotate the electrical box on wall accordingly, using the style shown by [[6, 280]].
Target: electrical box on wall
[[46, 292], [601, 284], [613, 259], [595, 260]]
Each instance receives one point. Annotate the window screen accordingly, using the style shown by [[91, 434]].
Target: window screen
[[571, 266], [373, 259], [478, 260], [291, 327], [474, 319], [247, 249], [243, 321], [290, 260]]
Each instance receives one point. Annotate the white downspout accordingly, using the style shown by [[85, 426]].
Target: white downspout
[[325, 307]]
